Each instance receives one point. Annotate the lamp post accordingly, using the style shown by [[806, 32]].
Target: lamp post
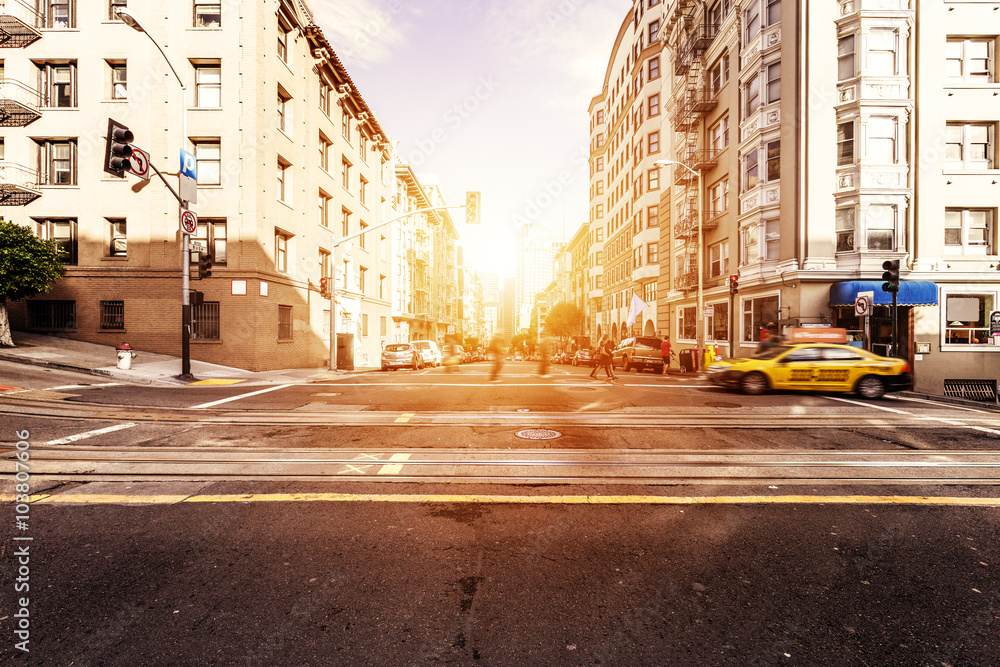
[[700, 316], [130, 20]]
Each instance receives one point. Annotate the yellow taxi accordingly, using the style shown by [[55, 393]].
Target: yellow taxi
[[814, 367]]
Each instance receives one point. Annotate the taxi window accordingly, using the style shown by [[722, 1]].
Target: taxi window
[[840, 354], [772, 352], [804, 354]]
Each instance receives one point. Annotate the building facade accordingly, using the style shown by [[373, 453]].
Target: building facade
[[536, 251]]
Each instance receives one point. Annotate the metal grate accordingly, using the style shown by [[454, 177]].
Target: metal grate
[[205, 321], [113, 315], [973, 390], [52, 315]]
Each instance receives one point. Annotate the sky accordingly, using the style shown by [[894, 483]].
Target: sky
[[485, 95]]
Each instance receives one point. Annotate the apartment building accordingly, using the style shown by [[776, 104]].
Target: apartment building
[[816, 141], [536, 250], [290, 159]]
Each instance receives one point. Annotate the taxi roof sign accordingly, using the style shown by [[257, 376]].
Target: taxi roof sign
[[824, 335]]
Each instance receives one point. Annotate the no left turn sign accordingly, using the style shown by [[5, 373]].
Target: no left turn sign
[[861, 306], [189, 222]]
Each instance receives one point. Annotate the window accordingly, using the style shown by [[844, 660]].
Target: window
[[772, 238], [52, 315], [751, 96], [362, 279], [845, 229], [719, 135], [845, 58], [345, 173], [752, 21], [361, 239], [718, 259], [283, 173], [363, 190], [751, 176], [119, 81], [967, 318], [205, 321], [773, 83], [653, 105], [381, 292], [653, 143], [345, 124], [113, 315], [284, 112], [345, 222], [283, 31], [652, 217], [363, 145], [654, 29], [599, 164], [325, 92], [60, 13], [325, 266], [882, 51], [652, 253], [720, 11], [118, 238], [970, 145], [208, 155], [600, 234], [971, 59], [211, 233], [718, 197], [600, 116], [969, 231], [599, 211], [113, 7], [281, 251], [63, 232], [207, 14], [324, 152], [773, 11], [686, 323], [749, 250], [719, 74], [880, 225], [653, 176], [384, 326], [773, 161], [324, 209], [882, 140], [364, 324], [757, 314], [57, 161], [649, 293], [845, 143], [208, 86], [285, 327], [654, 68], [57, 82]]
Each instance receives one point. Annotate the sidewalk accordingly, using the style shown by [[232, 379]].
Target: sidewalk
[[147, 367]]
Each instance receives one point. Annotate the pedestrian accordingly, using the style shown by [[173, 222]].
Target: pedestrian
[[665, 352], [604, 355], [496, 349], [544, 352]]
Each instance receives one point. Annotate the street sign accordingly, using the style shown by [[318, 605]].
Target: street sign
[[708, 311], [861, 306], [139, 163], [189, 177], [189, 222], [198, 248], [995, 323]]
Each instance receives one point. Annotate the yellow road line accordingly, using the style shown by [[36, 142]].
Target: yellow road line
[[405, 417], [217, 382], [82, 498], [393, 468]]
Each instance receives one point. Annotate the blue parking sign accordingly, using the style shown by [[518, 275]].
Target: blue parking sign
[[189, 166]]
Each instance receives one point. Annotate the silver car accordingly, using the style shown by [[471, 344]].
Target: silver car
[[401, 355]]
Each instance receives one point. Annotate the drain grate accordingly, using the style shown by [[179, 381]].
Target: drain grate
[[538, 434], [973, 390]]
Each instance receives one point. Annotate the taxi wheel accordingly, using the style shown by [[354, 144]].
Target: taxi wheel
[[753, 384], [870, 387]]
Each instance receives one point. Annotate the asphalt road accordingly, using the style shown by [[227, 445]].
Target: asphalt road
[[339, 558]]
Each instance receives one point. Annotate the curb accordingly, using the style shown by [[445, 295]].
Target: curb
[[69, 367], [951, 399]]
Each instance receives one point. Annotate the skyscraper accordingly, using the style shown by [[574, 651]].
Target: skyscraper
[[536, 251]]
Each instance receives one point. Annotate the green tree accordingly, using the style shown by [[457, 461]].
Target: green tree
[[564, 320], [28, 267]]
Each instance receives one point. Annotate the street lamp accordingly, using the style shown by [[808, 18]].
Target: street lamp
[[133, 22], [700, 316]]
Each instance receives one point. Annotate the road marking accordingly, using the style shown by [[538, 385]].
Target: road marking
[[393, 468], [89, 434], [241, 396], [6, 388], [217, 382], [405, 417], [85, 386], [112, 499], [949, 422]]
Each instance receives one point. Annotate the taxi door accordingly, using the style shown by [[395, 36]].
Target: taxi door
[[797, 369], [841, 368]]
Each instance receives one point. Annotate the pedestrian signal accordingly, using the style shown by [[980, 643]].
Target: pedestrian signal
[[472, 208]]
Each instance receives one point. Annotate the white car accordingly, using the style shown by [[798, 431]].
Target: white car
[[429, 350]]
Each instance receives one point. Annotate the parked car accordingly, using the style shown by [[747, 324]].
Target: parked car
[[401, 355], [583, 357], [640, 353], [430, 351], [814, 367]]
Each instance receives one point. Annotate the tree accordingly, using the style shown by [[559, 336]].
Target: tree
[[28, 267], [564, 320]]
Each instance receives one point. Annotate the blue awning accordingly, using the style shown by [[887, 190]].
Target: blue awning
[[911, 292]]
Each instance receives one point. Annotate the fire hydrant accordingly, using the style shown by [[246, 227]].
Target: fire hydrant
[[125, 356]]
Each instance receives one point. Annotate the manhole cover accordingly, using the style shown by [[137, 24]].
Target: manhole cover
[[538, 434], [720, 404]]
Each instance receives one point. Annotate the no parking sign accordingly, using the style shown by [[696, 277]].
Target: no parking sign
[[189, 222]]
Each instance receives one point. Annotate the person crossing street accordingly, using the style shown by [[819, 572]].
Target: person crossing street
[[605, 349]]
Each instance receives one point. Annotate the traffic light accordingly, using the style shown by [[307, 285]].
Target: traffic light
[[472, 208], [197, 298], [204, 266], [734, 284], [891, 275], [324, 287], [118, 151]]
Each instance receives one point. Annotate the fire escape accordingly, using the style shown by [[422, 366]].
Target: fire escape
[[20, 105], [689, 39]]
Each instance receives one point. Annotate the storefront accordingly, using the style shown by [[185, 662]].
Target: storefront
[[912, 294]]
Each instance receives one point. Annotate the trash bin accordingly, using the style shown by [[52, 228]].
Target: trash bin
[[687, 360]]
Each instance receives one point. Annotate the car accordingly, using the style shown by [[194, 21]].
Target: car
[[583, 357], [814, 367], [638, 353], [401, 355], [430, 351]]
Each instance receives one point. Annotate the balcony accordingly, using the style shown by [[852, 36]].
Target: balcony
[[19, 24], [678, 10], [20, 105], [18, 185], [702, 159], [686, 279]]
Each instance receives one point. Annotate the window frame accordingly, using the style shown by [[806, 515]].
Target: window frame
[[990, 74], [48, 84], [206, 321], [286, 323], [49, 162], [45, 229], [203, 87], [111, 315], [979, 328], [966, 145], [965, 226], [195, 23], [845, 56], [117, 231], [207, 164]]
